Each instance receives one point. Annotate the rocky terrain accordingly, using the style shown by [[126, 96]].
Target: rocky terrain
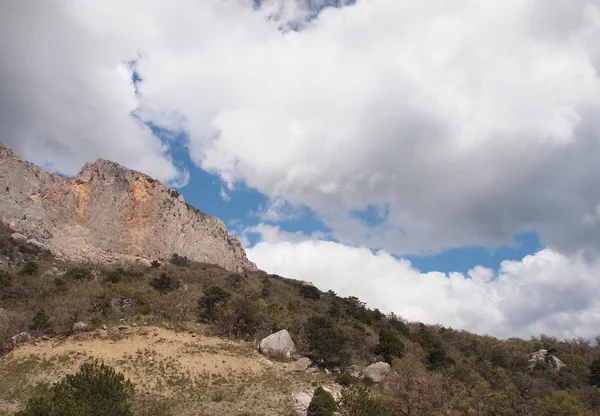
[[110, 212]]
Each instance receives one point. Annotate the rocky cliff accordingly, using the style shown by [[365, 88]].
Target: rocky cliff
[[110, 212]]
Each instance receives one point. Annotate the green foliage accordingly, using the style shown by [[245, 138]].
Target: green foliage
[[119, 275], [322, 404], [561, 403], [310, 292], [346, 379], [209, 302], [358, 401], [79, 273], [437, 358], [95, 390], [164, 283], [398, 325], [180, 261], [5, 280], [240, 318], [327, 342], [29, 268], [40, 322], [594, 379], [389, 346]]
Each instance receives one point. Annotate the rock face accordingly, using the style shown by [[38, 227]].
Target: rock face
[[542, 357], [377, 371], [110, 212], [279, 344]]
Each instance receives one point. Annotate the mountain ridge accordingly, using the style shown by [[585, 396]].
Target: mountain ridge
[[110, 212]]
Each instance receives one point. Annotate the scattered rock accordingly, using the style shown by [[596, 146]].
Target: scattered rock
[[104, 327], [79, 326], [301, 364], [312, 370], [265, 362], [38, 245], [354, 371], [279, 344], [18, 238], [123, 327], [377, 371], [45, 337]]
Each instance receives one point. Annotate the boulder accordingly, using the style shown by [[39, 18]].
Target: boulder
[[18, 238], [377, 371], [21, 337], [279, 344], [265, 362], [301, 364], [542, 357], [79, 326], [301, 400], [38, 245]]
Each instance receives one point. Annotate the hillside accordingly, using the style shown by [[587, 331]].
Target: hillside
[[190, 348]]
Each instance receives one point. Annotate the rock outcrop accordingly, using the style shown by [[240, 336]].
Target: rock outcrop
[[109, 212], [542, 357], [279, 344]]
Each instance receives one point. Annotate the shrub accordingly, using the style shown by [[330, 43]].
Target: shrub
[[180, 261], [155, 264], [326, 341], [79, 273], [561, 403], [346, 379], [322, 404], [240, 318], [389, 346], [5, 280], [40, 322], [310, 292], [95, 390], [208, 303], [29, 268], [164, 283], [358, 401]]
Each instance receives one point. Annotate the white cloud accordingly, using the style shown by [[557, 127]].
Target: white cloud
[[67, 95], [471, 122], [546, 292]]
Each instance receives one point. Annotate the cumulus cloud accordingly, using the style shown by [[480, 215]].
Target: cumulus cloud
[[544, 293], [471, 122], [67, 95]]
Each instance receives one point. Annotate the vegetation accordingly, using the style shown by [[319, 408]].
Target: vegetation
[[434, 370], [322, 404], [95, 390]]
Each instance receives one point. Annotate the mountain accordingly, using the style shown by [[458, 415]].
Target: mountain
[[109, 212]]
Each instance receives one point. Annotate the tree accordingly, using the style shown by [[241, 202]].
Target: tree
[[358, 401], [209, 302], [40, 322], [181, 261], [561, 403], [415, 391], [239, 318], [594, 379], [389, 346], [164, 283], [95, 390], [310, 292], [322, 404], [326, 341]]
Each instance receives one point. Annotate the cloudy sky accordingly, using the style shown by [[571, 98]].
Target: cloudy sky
[[437, 159]]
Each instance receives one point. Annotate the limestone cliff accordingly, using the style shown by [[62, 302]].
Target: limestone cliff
[[109, 212]]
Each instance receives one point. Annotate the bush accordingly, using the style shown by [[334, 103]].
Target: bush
[[310, 292], [29, 268], [79, 273], [594, 379], [358, 401], [240, 318], [155, 264], [326, 341], [95, 390], [389, 346], [5, 280], [40, 322], [209, 302], [180, 261], [346, 379], [164, 283], [322, 404]]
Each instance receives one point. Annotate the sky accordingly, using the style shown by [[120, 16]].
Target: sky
[[436, 159]]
